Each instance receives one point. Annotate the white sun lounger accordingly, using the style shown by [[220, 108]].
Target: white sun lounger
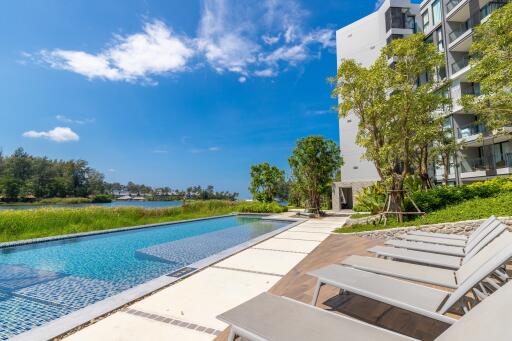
[[273, 318], [420, 257], [432, 275], [485, 237], [454, 236], [416, 298]]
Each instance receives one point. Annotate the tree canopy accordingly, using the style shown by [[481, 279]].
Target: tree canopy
[[314, 164], [266, 182], [491, 61], [24, 176], [399, 101]]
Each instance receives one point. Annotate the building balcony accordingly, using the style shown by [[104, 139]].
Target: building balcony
[[461, 37], [470, 132], [457, 10], [480, 167], [460, 67]]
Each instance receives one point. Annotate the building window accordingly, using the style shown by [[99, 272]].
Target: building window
[[440, 42], [426, 22], [436, 12]]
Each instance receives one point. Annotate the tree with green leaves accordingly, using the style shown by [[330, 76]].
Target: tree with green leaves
[[266, 182], [398, 101], [444, 148], [491, 61], [314, 164]]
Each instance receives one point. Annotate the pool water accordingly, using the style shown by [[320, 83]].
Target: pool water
[[41, 282]]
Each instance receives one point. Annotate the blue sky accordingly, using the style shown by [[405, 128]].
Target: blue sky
[[173, 93]]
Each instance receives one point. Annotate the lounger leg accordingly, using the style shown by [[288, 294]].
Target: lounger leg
[[232, 335], [317, 291]]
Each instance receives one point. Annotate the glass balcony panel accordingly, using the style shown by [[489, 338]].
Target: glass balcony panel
[[460, 64], [470, 130]]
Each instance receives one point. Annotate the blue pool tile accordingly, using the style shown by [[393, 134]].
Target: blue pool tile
[[18, 315], [73, 292], [189, 250], [14, 277]]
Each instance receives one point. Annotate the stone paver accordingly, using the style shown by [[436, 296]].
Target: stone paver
[[126, 327], [291, 245], [301, 235], [263, 261], [205, 295]]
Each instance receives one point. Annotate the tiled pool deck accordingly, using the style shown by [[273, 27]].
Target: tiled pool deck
[[187, 309]]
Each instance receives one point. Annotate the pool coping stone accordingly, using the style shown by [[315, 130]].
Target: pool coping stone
[[74, 320]]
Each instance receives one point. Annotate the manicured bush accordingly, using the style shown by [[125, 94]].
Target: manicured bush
[[476, 208], [442, 196], [261, 207]]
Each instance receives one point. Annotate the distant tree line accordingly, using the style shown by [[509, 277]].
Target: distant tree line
[[167, 193], [25, 177]]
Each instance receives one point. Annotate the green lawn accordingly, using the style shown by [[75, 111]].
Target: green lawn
[[500, 205], [44, 222]]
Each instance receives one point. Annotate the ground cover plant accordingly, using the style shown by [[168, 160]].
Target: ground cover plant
[[43, 222], [476, 208]]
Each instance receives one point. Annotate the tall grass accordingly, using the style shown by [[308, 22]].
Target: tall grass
[[43, 222]]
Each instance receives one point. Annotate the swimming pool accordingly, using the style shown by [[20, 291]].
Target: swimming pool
[[44, 281]]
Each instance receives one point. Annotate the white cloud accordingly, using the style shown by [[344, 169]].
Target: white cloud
[[265, 73], [57, 134], [234, 42], [136, 57], [249, 38], [319, 112], [270, 40], [214, 149], [66, 119], [111, 170]]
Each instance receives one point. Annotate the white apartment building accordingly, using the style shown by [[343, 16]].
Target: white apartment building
[[449, 25]]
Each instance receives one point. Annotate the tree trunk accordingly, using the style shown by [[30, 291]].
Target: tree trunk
[[446, 166], [423, 169], [396, 195]]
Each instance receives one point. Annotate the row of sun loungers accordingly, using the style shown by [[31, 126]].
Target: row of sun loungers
[[475, 278]]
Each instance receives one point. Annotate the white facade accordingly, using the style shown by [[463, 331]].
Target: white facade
[[362, 41]]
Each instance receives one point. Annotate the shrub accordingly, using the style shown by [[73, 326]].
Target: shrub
[[261, 207], [101, 198], [78, 200], [442, 196], [371, 199]]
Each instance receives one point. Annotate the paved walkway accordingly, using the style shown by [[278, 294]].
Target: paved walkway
[[187, 310]]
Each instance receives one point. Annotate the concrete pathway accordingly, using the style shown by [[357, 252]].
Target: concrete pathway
[[187, 310]]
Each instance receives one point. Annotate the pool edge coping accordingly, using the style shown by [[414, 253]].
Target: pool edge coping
[[15, 243], [102, 309]]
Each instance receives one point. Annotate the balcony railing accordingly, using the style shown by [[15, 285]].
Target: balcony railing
[[460, 64], [470, 130], [473, 165], [451, 4], [506, 162], [460, 30]]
